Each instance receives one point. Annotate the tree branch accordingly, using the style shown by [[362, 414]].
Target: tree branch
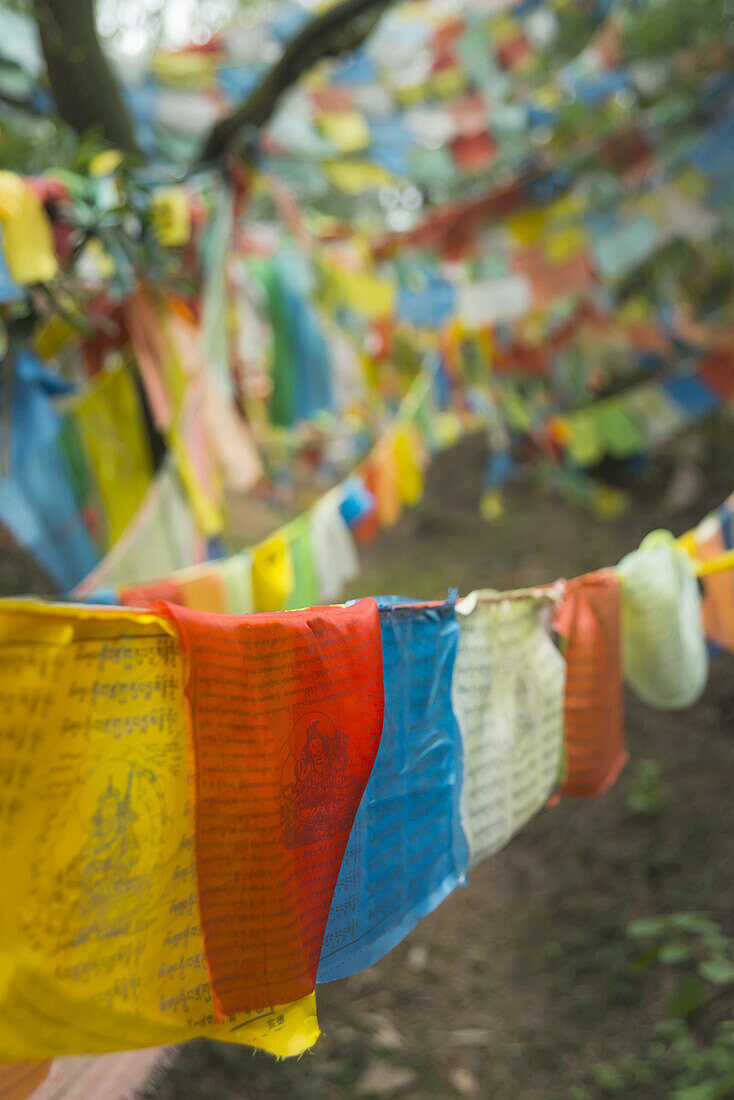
[[83, 84], [338, 29], [21, 104]]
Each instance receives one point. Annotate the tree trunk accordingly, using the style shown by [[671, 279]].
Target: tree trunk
[[82, 82]]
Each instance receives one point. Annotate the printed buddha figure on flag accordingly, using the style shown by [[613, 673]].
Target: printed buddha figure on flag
[[111, 873], [113, 850], [322, 781]]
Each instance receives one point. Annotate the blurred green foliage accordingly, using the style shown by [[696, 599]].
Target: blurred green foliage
[[690, 1055], [647, 792]]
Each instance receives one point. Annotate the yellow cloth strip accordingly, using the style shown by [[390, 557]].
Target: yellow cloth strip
[[715, 565], [100, 934], [708, 568]]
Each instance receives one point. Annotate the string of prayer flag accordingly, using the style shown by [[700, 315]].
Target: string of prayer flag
[[243, 805]]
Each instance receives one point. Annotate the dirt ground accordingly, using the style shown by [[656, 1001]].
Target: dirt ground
[[520, 981]]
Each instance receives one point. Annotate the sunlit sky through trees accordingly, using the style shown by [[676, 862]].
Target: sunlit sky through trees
[[134, 29]]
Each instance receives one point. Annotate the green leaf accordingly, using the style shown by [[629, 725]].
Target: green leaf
[[670, 1030], [693, 1092], [608, 1077], [724, 1087], [645, 927], [706, 1090], [718, 971], [694, 922], [689, 995], [674, 952], [645, 958]]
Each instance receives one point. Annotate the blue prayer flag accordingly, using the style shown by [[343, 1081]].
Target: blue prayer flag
[[692, 395], [38, 506], [407, 850]]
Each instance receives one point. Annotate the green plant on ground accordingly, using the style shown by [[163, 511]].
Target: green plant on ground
[[647, 792], [691, 1053]]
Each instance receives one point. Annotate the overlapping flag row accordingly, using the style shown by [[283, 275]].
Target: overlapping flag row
[[312, 557], [63, 502], [204, 815], [581, 240]]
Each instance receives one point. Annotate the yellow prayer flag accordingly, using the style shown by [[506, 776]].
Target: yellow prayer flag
[[585, 444], [272, 573], [634, 309], [347, 131], [504, 28], [209, 516], [563, 244], [491, 505], [692, 181], [27, 238], [105, 163], [547, 96], [566, 207], [359, 289], [110, 423], [610, 502], [354, 177], [408, 453], [528, 225], [448, 82], [448, 428], [406, 95], [171, 215], [100, 932], [51, 335], [189, 69]]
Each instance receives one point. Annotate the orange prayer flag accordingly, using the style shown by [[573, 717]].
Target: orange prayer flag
[[22, 1079], [143, 595], [589, 622], [144, 326], [286, 717], [204, 591], [381, 478], [717, 605], [366, 529]]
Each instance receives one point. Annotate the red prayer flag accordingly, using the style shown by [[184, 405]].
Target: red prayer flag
[[515, 51], [588, 621], [143, 595], [474, 152], [718, 373], [286, 718]]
